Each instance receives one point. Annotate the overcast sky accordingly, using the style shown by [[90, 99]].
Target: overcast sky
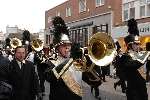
[[26, 14]]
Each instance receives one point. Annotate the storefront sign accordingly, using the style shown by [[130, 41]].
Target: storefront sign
[[144, 29]]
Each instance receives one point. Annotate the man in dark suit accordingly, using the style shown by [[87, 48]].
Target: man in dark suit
[[23, 77]]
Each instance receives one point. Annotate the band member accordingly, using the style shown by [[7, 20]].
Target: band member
[[94, 80], [148, 63], [38, 59], [30, 54], [91, 80], [23, 77], [130, 63], [119, 71], [64, 78], [105, 71]]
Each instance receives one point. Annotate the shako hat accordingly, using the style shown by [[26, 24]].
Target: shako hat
[[133, 31], [60, 31], [131, 39]]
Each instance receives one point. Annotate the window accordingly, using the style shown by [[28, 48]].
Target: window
[[135, 9], [144, 8], [46, 39], [85, 36], [148, 1], [148, 10], [68, 12], [79, 36], [57, 13], [82, 5], [128, 10], [142, 11], [49, 19], [132, 12], [99, 2]]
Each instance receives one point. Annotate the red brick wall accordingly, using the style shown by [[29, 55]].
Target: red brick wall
[[91, 10], [117, 12]]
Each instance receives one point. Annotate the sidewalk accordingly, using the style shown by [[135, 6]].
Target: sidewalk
[[107, 91]]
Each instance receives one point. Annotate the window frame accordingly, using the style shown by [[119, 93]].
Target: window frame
[[128, 7], [49, 19], [145, 4], [80, 8], [68, 12], [58, 13], [148, 10], [100, 3]]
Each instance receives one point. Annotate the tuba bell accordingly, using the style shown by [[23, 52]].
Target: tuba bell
[[101, 49], [37, 44], [15, 42]]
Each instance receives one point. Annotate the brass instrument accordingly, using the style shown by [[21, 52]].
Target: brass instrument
[[101, 52], [101, 49], [15, 42], [37, 44]]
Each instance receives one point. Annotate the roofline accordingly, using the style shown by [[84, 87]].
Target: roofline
[[57, 6]]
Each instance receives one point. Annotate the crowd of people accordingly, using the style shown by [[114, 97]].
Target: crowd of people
[[63, 69]]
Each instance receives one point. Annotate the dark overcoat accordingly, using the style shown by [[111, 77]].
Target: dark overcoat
[[24, 81], [5, 89]]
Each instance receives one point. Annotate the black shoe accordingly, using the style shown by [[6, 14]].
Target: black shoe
[[43, 94], [98, 98]]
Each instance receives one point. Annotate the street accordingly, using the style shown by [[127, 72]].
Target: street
[[107, 91]]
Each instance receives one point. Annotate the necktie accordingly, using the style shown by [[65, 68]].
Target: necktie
[[21, 64]]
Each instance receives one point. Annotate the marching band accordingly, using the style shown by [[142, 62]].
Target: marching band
[[65, 65]]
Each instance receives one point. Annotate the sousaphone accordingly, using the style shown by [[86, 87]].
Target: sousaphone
[[101, 49], [15, 42]]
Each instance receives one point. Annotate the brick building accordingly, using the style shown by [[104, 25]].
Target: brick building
[[83, 16]]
